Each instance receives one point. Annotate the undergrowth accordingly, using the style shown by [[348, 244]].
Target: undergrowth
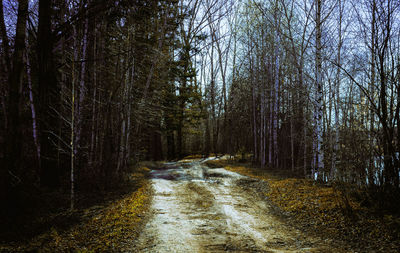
[[102, 228], [335, 211]]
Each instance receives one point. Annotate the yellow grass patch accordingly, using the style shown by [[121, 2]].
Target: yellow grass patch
[[106, 228], [322, 207], [192, 157], [293, 194]]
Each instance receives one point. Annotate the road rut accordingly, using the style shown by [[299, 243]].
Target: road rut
[[200, 209]]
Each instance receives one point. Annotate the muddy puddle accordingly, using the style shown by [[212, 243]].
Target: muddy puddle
[[200, 209]]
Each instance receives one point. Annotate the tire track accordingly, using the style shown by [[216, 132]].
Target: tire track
[[200, 209]]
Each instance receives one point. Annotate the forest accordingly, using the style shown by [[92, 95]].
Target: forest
[[89, 89]]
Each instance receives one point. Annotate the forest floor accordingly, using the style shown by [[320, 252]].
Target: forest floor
[[212, 205], [101, 222], [345, 215]]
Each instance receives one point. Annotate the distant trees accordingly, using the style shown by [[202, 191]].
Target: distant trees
[[381, 34], [336, 93]]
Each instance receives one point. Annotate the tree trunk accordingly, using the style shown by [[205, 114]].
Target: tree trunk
[[254, 109], [128, 120], [371, 167], [336, 97], [4, 39], [276, 89], [292, 136], [318, 113], [305, 167], [48, 98], [73, 148], [262, 127], [82, 88], [32, 106], [207, 144], [13, 137]]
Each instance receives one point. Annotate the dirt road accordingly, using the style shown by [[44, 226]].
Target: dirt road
[[200, 209]]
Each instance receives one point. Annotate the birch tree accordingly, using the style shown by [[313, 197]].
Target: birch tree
[[318, 107]]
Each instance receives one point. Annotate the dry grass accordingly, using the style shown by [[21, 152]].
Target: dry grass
[[105, 228], [327, 210], [198, 156]]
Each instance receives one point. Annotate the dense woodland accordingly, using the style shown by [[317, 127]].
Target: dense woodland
[[90, 87]]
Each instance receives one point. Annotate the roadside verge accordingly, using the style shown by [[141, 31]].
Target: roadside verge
[[109, 226], [330, 212]]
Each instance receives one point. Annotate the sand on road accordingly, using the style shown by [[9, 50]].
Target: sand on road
[[200, 209]]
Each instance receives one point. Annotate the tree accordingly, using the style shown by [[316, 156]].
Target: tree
[[13, 141], [318, 111], [48, 97]]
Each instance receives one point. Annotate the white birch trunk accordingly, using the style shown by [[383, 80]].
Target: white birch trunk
[[318, 114], [32, 106]]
